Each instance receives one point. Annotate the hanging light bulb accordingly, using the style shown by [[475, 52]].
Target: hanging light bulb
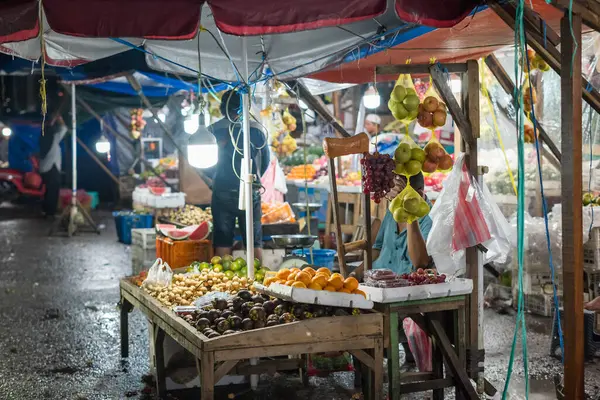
[[202, 148], [102, 145], [191, 124], [371, 99], [6, 131]]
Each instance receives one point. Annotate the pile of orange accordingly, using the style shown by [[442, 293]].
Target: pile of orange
[[321, 279]]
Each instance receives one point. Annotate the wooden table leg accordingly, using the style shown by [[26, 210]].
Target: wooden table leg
[[377, 379], [437, 365], [207, 377], [460, 321], [159, 354], [393, 357], [125, 308]]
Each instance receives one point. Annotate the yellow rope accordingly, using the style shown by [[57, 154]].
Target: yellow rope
[[43, 62], [496, 128]]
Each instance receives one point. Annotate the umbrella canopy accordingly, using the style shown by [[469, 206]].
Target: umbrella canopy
[[285, 33]]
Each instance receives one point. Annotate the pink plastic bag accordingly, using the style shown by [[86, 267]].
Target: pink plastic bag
[[419, 344], [271, 194]]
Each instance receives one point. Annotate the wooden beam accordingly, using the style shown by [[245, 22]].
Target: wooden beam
[[550, 54], [572, 251], [506, 83], [453, 68], [588, 10], [440, 82]]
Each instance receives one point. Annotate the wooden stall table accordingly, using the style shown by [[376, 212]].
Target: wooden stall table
[[443, 319], [360, 335]]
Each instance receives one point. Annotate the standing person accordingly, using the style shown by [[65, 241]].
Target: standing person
[[372, 128], [51, 163], [226, 180]]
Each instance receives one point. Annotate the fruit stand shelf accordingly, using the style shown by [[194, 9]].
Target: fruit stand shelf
[[360, 335], [318, 297]]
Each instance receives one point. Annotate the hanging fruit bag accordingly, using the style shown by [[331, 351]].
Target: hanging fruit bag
[[404, 101], [436, 157], [409, 157], [408, 206]]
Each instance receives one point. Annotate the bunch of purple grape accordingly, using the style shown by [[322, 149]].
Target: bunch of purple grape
[[377, 175]]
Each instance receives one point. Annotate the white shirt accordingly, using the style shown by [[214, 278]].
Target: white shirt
[[54, 156]]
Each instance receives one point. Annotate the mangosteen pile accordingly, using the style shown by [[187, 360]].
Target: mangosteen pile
[[246, 311]]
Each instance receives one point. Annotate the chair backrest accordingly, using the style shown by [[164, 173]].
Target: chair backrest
[[337, 147]]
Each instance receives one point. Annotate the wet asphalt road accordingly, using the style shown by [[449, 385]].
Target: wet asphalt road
[[59, 326]]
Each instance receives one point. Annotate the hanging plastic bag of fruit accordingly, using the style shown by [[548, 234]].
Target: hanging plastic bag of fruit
[[432, 111], [409, 157], [404, 101], [159, 275], [408, 206], [436, 157], [529, 132]]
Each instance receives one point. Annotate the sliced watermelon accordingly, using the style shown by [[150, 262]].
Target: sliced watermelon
[[163, 228], [157, 190], [198, 232], [177, 234]]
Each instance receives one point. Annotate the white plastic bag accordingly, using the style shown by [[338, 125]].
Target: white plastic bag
[[159, 275], [449, 253]]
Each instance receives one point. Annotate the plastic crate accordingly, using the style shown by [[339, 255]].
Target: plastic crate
[[181, 253], [125, 221], [538, 304], [593, 279], [320, 257], [539, 283], [141, 259], [144, 238]]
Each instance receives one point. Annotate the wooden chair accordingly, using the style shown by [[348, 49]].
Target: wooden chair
[[336, 147]]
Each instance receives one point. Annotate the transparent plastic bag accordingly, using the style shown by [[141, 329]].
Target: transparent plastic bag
[[451, 235], [408, 157], [277, 213], [159, 275], [408, 206]]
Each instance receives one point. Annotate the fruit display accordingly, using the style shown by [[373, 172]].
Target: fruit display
[[436, 158], [247, 311], [432, 113], [404, 102], [408, 206], [192, 232], [385, 278], [309, 278], [230, 266], [377, 175], [277, 213], [590, 200], [302, 172], [289, 121], [535, 62], [140, 278], [286, 147], [190, 215], [137, 122], [408, 158]]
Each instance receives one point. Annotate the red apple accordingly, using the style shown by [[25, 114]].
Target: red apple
[[430, 103]]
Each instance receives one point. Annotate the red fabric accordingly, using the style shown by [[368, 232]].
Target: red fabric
[[255, 17], [18, 20], [435, 13], [470, 228]]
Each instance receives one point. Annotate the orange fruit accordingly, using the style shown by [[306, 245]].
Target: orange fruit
[[320, 280], [283, 273], [292, 276], [298, 284], [282, 281], [303, 277], [336, 282], [357, 291], [337, 274], [329, 288], [344, 290], [295, 270], [315, 286], [289, 283], [310, 271], [324, 271], [351, 284], [269, 280]]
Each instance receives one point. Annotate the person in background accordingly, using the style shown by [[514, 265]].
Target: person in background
[[51, 163], [372, 124], [226, 180]]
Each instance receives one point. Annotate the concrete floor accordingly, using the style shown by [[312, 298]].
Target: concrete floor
[[59, 326]]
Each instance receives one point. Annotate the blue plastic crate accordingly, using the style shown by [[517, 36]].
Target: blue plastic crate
[[95, 199], [320, 257], [125, 221]]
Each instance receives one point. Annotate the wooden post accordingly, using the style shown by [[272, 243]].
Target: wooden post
[[572, 251]]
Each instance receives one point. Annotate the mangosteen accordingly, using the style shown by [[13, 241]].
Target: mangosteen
[[237, 303], [257, 313], [235, 322], [298, 310], [259, 324], [286, 318], [258, 299], [213, 315], [216, 322], [203, 314], [206, 331], [246, 307], [223, 326], [318, 311], [226, 314], [245, 294], [307, 315], [202, 324], [280, 309], [214, 335], [228, 332], [247, 324], [269, 307], [220, 304], [273, 317], [266, 297]]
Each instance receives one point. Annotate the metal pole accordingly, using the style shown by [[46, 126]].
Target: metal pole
[[247, 165], [74, 145]]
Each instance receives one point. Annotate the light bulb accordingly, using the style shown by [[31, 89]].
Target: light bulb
[[102, 145], [190, 125], [6, 131], [203, 155], [371, 99]]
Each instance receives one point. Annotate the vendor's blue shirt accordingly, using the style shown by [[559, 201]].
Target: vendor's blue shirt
[[393, 246]]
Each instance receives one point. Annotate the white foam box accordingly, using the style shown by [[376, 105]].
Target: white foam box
[[456, 287], [141, 259], [320, 297], [144, 238]]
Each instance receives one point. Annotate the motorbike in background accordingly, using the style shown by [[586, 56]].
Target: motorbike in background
[[17, 185]]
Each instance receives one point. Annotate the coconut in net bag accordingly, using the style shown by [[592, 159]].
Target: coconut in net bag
[[409, 157], [404, 102], [408, 206]]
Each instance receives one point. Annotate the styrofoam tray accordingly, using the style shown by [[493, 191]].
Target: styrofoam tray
[[319, 297], [456, 287]]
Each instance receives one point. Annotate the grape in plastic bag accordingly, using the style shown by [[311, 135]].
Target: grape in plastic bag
[[409, 157], [159, 274], [404, 101], [436, 157], [408, 206]]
